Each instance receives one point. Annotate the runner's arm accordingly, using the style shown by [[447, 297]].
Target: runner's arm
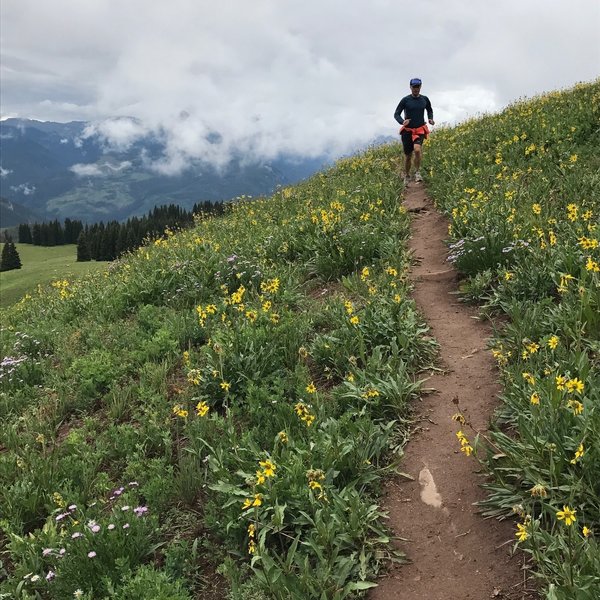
[[398, 113], [429, 112]]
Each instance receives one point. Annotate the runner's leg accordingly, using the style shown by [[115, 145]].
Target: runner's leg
[[417, 156], [408, 146]]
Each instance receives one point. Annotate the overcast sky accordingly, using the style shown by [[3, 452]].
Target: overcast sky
[[302, 76]]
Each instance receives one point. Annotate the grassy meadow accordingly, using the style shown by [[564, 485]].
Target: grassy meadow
[[218, 409], [41, 265]]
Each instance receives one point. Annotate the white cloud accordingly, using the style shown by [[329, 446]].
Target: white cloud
[[276, 76], [117, 133], [99, 170], [25, 188], [82, 170], [5, 172]]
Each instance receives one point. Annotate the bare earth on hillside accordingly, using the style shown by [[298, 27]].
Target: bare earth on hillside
[[455, 553]]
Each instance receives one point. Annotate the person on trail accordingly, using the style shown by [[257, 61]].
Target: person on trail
[[413, 128]]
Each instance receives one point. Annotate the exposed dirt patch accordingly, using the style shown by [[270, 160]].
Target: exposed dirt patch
[[455, 553]]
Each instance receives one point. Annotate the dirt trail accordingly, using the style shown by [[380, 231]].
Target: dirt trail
[[455, 552]]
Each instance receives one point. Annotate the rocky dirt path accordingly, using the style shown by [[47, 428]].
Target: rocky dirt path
[[455, 553]]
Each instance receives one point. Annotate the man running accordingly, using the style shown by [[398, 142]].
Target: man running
[[414, 129]]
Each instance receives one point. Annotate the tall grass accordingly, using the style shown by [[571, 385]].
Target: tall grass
[[226, 400], [522, 191]]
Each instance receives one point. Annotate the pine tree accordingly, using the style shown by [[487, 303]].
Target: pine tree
[[16, 259], [25, 234], [36, 235], [5, 260], [10, 258], [83, 248]]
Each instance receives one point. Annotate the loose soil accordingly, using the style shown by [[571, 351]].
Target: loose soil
[[454, 552]]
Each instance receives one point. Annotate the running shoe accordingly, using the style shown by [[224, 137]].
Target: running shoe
[[418, 176]]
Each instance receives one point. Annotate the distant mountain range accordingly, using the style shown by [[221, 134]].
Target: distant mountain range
[[58, 170]]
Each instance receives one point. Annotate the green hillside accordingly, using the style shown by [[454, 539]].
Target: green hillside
[[42, 265], [522, 193], [217, 411]]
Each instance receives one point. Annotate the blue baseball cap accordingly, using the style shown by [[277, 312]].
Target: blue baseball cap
[[415, 81]]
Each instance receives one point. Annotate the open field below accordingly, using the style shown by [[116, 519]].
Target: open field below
[[41, 265]]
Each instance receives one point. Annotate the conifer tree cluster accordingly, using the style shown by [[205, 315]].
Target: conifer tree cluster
[[107, 241], [52, 233], [10, 257]]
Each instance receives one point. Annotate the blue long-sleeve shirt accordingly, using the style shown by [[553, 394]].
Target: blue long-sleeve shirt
[[413, 109]]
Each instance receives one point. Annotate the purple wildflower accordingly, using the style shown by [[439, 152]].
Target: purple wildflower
[[140, 510], [91, 554]]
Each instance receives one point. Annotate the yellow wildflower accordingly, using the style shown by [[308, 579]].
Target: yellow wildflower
[[464, 443], [194, 376], [251, 547], [529, 378], [538, 490], [572, 212], [592, 265], [268, 468], [567, 515], [522, 534], [578, 454], [304, 413], [180, 411], [202, 408], [575, 385], [575, 406], [459, 418]]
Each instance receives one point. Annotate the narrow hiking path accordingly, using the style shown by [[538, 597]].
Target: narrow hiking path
[[455, 553]]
